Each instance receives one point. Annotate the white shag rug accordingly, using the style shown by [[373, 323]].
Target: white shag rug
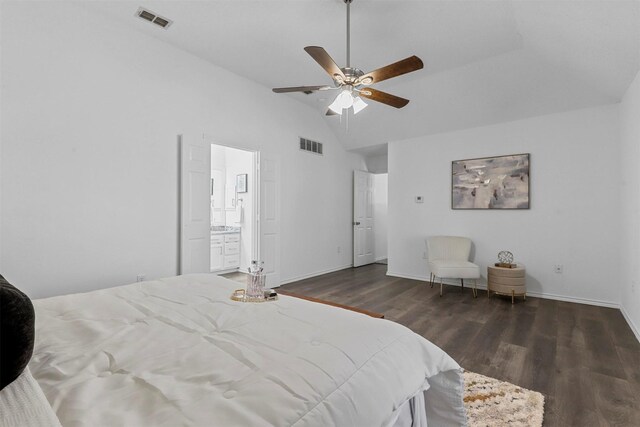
[[494, 403]]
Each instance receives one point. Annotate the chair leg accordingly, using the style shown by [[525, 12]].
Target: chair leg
[[431, 279], [441, 286], [513, 296], [462, 288], [475, 289]]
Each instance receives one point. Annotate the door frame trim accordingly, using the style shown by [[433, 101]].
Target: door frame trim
[[255, 182], [353, 218]]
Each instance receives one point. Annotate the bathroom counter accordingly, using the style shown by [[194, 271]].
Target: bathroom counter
[[224, 230]]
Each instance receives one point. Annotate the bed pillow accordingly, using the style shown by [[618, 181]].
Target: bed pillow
[[23, 404], [17, 332]]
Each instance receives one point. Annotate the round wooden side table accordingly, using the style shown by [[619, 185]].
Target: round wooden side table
[[506, 281]]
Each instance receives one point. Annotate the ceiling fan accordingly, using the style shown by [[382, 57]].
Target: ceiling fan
[[352, 82]]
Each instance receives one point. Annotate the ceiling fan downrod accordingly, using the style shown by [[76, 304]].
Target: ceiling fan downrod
[[348, 3]]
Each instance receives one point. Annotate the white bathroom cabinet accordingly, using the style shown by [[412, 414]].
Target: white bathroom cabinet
[[225, 251]]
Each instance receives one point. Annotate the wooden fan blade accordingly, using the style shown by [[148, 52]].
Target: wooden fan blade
[[407, 65], [384, 97], [322, 57], [300, 89]]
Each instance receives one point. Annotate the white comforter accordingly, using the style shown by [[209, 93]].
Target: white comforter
[[178, 351]]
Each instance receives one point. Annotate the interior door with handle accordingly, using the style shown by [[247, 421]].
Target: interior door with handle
[[269, 245], [195, 221], [363, 231]]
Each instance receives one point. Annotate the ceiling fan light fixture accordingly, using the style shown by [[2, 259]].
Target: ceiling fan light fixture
[[336, 107], [342, 101], [358, 105], [345, 99]]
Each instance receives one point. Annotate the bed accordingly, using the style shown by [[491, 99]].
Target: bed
[[178, 351]]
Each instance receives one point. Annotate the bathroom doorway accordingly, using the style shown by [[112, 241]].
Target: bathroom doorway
[[233, 208]]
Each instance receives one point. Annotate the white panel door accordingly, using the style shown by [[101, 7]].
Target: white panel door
[[269, 242], [363, 243], [195, 202]]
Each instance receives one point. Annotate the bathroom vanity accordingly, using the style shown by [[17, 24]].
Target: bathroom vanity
[[225, 248]]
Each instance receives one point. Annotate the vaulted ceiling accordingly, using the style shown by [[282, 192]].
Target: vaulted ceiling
[[485, 61]]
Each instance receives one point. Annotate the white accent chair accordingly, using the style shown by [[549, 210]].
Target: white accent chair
[[448, 258]]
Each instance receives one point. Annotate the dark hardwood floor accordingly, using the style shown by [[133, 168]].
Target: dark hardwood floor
[[584, 359]]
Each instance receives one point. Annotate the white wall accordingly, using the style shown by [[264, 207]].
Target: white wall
[[574, 215], [90, 114], [380, 198], [630, 197]]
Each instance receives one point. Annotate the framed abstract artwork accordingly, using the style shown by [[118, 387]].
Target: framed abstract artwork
[[491, 183]]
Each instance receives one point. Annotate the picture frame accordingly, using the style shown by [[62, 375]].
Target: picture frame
[[241, 183], [498, 182]]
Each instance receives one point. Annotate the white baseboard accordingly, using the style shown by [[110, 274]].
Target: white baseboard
[[633, 327], [577, 300], [544, 295], [317, 273], [380, 258]]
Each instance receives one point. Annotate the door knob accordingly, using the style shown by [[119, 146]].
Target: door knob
[[356, 223]]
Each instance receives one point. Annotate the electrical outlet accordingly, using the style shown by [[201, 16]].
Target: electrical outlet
[[140, 278], [339, 249], [557, 268], [419, 199]]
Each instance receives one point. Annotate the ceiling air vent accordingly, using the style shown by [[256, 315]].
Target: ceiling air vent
[[147, 15], [311, 146]]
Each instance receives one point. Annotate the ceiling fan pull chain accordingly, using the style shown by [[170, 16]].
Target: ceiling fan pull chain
[[347, 120]]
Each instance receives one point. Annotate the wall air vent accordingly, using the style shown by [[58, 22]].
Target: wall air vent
[[311, 146], [147, 15]]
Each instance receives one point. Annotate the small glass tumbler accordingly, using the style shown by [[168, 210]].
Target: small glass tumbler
[[255, 282]]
